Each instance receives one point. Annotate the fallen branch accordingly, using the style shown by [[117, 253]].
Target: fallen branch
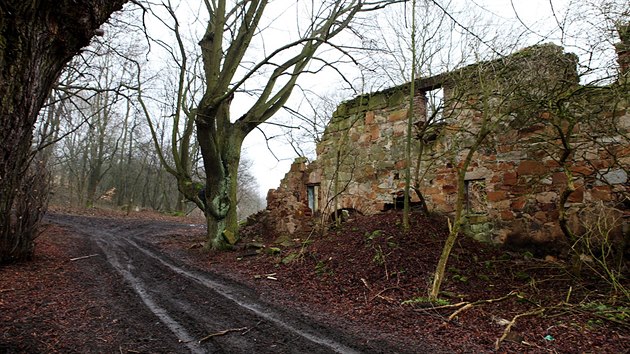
[[461, 309], [508, 328], [270, 276], [471, 304], [380, 296], [221, 333], [6, 290], [573, 309], [127, 351], [83, 257], [465, 305]]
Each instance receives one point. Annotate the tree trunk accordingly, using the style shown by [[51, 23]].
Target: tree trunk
[[94, 176], [37, 38], [221, 153], [221, 214], [440, 270]]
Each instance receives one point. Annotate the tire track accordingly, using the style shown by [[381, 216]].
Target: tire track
[[192, 303], [141, 290], [255, 307]]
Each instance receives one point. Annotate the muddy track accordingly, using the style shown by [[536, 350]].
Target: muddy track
[[193, 304]]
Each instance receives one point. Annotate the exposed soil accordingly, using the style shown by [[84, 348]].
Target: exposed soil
[[149, 287]]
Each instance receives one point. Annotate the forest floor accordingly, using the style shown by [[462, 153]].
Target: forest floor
[[362, 285]]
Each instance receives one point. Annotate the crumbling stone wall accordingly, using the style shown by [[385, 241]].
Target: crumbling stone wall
[[287, 207], [362, 152], [515, 181]]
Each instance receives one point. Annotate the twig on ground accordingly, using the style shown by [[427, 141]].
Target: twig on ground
[[250, 328], [380, 296], [270, 276], [83, 257], [598, 315], [461, 309], [513, 322], [7, 290], [468, 305], [465, 305], [221, 333]]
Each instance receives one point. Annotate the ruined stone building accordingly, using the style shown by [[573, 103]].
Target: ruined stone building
[[550, 147]]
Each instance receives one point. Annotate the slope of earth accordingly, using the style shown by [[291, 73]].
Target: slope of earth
[[370, 277]]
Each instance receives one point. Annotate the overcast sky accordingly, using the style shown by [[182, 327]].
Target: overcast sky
[[499, 22]]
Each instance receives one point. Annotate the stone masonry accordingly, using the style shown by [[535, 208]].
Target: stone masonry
[[545, 130]]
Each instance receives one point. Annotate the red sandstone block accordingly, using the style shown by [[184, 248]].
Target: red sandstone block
[[531, 167], [510, 179], [507, 215], [577, 196], [449, 188], [559, 179], [518, 203], [375, 133], [604, 162], [505, 148], [603, 193], [401, 164], [496, 196], [541, 216], [369, 117], [551, 164], [581, 170], [397, 115]]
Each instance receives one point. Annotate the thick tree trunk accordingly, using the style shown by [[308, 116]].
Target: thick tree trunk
[[221, 213], [37, 38], [220, 145]]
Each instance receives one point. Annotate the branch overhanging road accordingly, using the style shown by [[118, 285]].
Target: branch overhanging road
[[192, 303]]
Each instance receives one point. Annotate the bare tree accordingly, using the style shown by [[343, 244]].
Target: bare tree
[[228, 67]]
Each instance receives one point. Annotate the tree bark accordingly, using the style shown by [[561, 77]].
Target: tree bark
[[37, 38], [221, 153]]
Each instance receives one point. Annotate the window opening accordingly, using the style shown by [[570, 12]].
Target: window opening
[[435, 106], [312, 192]]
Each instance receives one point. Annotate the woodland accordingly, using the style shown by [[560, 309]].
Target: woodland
[[119, 109]]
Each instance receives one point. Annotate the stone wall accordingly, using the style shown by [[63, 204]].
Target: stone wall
[[362, 152], [514, 184], [287, 207]]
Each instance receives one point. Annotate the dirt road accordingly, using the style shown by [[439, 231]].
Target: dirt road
[[116, 283], [193, 305]]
